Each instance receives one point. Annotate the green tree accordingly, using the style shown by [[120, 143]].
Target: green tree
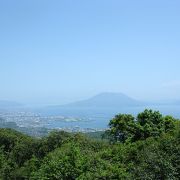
[[64, 163], [121, 127], [125, 127]]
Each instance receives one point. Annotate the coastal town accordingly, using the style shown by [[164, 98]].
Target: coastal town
[[27, 119]]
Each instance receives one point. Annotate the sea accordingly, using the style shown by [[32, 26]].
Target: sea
[[98, 118]]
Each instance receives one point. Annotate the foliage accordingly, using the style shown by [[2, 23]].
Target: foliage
[[125, 127], [146, 147]]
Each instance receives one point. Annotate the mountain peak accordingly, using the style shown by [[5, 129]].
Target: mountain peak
[[106, 99]]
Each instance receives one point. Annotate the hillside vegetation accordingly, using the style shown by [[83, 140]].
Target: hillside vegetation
[[146, 147]]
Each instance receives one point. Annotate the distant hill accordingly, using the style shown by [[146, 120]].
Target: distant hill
[[104, 100], [9, 104]]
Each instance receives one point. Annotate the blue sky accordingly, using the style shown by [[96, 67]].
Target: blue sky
[[61, 51]]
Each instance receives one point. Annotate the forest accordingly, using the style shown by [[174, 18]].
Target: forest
[[144, 147]]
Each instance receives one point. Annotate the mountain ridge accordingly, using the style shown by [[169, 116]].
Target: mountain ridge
[[105, 99]]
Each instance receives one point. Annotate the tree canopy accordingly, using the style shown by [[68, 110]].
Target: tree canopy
[[125, 127]]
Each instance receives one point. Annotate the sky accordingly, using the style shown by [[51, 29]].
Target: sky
[[54, 52]]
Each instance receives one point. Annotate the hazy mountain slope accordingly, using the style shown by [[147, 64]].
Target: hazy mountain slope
[[104, 100], [9, 104]]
